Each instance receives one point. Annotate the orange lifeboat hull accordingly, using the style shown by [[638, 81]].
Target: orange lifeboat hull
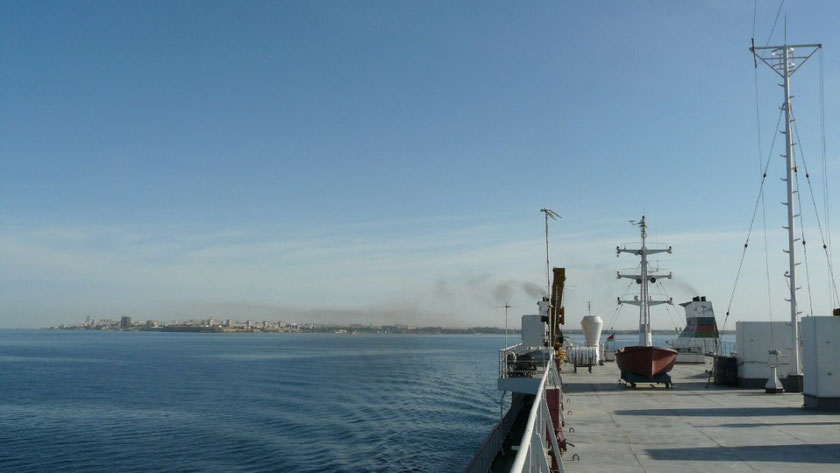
[[645, 361]]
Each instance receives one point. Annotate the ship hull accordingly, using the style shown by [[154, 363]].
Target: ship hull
[[645, 361]]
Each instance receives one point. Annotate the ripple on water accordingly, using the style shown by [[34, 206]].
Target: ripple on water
[[203, 402]]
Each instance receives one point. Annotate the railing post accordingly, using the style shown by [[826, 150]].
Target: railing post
[[540, 437]]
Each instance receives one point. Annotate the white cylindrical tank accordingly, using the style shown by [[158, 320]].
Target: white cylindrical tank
[[583, 356], [592, 325]]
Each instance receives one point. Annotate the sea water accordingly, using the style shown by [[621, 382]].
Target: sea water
[[139, 401]]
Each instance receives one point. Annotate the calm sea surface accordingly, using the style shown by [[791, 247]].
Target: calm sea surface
[[122, 401]]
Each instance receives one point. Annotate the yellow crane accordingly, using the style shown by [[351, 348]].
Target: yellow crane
[[557, 314]]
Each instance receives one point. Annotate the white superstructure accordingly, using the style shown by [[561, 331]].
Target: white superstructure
[[700, 335]]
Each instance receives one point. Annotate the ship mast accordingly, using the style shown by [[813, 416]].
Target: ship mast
[[781, 59], [643, 300]]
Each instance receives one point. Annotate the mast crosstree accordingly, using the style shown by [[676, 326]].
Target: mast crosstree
[[644, 300]]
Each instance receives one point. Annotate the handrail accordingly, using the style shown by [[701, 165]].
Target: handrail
[[531, 456]]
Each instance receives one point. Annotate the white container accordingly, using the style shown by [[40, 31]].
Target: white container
[[592, 325], [533, 331], [821, 361], [754, 340]]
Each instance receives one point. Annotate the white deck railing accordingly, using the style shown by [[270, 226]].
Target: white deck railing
[[539, 439]]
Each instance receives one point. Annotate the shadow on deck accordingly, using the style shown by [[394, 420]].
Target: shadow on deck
[[713, 412], [796, 453]]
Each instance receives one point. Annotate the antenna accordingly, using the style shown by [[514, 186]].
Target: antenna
[[548, 213], [506, 306]]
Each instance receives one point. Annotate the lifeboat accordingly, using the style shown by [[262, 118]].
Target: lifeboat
[[648, 362]]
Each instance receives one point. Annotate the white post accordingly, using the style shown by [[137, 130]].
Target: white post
[[785, 67], [790, 214], [644, 309]]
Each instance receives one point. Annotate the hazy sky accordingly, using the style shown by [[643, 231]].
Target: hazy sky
[[386, 161]]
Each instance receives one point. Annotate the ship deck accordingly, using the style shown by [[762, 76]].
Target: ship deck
[[691, 428]]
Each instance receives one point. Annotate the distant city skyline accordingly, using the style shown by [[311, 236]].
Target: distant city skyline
[[229, 325], [385, 162]]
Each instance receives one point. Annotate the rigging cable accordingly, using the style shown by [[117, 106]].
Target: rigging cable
[[816, 212], [774, 23], [613, 317], [619, 306], [835, 299], [615, 313], [763, 203], [668, 307], [802, 221], [752, 222]]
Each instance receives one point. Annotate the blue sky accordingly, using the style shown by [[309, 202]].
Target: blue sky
[[386, 161]]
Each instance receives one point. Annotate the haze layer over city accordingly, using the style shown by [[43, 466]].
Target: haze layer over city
[[386, 162]]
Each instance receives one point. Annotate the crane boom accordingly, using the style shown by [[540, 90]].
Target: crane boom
[[557, 312]]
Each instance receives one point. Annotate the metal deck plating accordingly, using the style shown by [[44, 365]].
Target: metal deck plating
[[692, 428]]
